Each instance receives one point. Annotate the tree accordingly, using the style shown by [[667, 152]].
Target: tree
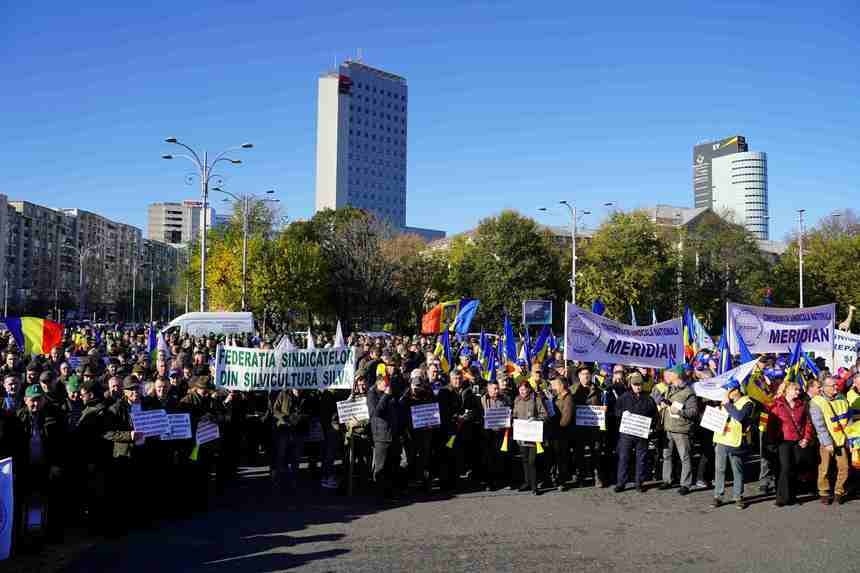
[[830, 270], [293, 282], [628, 262], [507, 260], [721, 262], [361, 281], [416, 272]]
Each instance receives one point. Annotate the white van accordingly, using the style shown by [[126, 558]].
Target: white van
[[204, 323]]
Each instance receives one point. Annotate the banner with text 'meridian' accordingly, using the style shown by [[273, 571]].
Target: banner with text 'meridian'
[[590, 337], [766, 329], [252, 369]]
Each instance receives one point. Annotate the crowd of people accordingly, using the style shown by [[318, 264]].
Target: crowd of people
[[67, 422]]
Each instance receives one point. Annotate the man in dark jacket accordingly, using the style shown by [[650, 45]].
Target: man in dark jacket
[[459, 411], [385, 426], [44, 426], [127, 445], [291, 414], [586, 393], [92, 454], [563, 425], [635, 402]]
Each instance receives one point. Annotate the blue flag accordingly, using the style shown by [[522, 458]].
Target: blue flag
[[597, 307], [468, 308], [725, 363], [743, 350], [152, 345], [510, 342], [7, 505]]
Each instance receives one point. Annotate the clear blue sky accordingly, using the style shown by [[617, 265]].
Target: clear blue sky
[[512, 105]]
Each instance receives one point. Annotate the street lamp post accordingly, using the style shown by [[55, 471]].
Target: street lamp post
[[245, 200], [572, 210], [800, 213], [82, 255], [205, 173]]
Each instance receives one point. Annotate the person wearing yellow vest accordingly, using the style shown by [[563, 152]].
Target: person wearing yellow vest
[[830, 416], [853, 396], [732, 444]]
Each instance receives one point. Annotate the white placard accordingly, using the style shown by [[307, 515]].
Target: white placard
[[771, 329], [591, 416], [180, 427], [206, 432], [714, 419], [497, 418], [426, 416], [846, 348], [150, 422], [591, 337], [635, 425], [528, 431], [355, 409]]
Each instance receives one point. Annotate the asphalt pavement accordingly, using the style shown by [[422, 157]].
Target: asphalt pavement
[[254, 529]]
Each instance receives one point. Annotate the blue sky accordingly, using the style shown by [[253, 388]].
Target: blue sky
[[512, 105]]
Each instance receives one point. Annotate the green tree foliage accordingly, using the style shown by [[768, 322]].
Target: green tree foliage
[[628, 262], [830, 270], [721, 262], [507, 260]]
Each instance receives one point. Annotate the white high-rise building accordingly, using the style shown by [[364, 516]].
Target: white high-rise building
[[739, 183], [361, 141], [177, 223]]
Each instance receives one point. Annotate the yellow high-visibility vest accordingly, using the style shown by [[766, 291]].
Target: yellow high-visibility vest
[[733, 432], [831, 409]]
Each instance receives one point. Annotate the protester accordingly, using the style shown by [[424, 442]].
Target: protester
[[679, 410], [791, 429], [830, 416], [731, 445], [635, 402], [528, 406]]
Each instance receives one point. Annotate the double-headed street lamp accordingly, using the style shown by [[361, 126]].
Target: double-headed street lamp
[[245, 200], [204, 167], [573, 214], [82, 256]]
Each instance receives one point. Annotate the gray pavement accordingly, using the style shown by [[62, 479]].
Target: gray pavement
[[251, 529]]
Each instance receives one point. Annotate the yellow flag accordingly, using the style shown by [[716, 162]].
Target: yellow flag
[[450, 443], [539, 447]]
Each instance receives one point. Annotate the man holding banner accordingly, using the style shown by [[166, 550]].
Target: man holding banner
[[592, 438]]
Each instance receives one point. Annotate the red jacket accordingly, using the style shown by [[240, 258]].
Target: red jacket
[[785, 422]]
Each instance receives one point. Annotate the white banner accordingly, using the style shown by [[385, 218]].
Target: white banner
[[497, 418], [253, 369], [426, 416], [591, 416], [846, 347], [526, 431], [635, 425], [714, 419], [768, 329], [180, 427], [355, 409], [7, 507], [206, 432], [712, 388], [590, 337], [150, 423]]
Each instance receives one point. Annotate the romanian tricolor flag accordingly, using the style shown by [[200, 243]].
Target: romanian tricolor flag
[[35, 335], [442, 316]]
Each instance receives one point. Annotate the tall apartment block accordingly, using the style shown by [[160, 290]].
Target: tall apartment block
[[362, 115]]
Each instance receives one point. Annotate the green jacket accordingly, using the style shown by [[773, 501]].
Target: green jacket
[[683, 421]]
